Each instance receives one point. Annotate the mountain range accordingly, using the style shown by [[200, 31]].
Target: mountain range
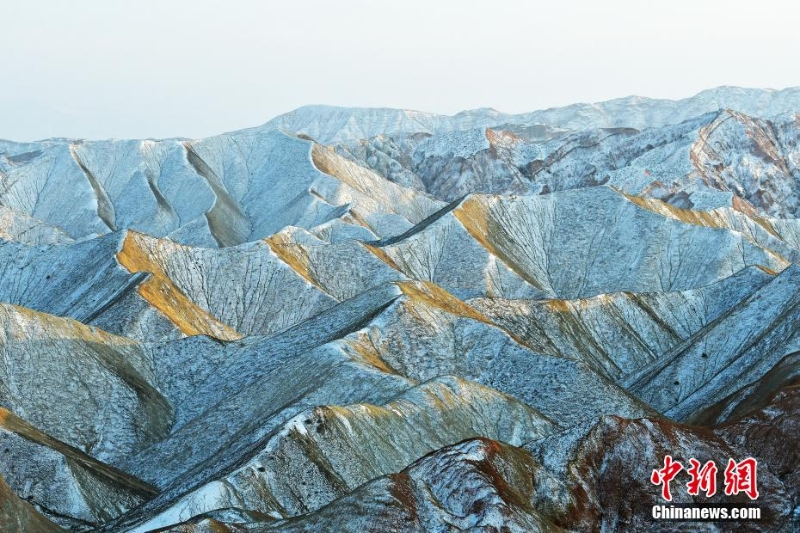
[[354, 319]]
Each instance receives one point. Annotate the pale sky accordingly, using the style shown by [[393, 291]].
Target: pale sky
[[160, 68]]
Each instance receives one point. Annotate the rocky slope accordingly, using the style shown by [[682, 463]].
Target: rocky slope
[[709, 161], [384, 320]]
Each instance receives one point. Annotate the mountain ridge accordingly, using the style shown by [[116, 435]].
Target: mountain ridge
[[724, 92], [425, 322]]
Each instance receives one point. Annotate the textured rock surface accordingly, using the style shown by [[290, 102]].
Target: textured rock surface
[[18, 515], [606, 467], [69, 487], [619, 333], [209, 192], [327, 452], [701, 162], [16, 226], [483, 322], [81, 385], [476, 485], [571, 244], [721, 358]]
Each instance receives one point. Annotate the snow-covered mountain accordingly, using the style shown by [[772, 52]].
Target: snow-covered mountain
[[329, 124], [384, 320]]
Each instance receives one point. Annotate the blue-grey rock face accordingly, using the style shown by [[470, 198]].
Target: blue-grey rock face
[[386, 320]]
